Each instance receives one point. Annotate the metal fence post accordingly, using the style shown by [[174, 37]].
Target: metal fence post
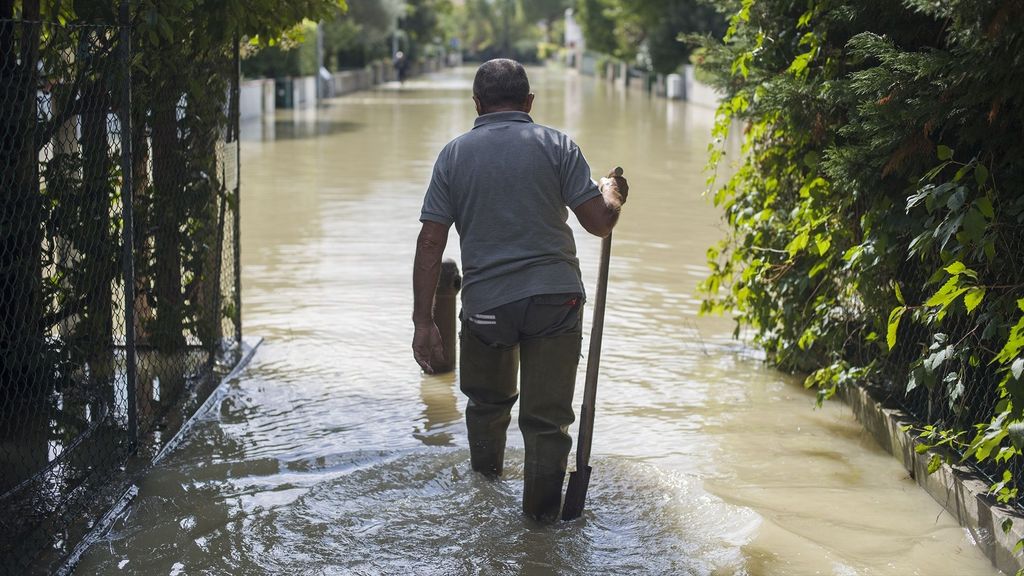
[[448, 284], [128, 229]]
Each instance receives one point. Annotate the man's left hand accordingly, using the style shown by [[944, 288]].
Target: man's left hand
[[427, 346]]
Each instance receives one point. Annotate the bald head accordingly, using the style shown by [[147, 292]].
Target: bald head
[[501, 84]]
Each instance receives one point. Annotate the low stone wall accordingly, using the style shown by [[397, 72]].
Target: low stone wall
[[261, 97], [250, 101], [350, 81], [304, 94], [684, 86], [960, 489]]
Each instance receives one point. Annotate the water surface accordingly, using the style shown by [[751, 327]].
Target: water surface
[[332, 454]]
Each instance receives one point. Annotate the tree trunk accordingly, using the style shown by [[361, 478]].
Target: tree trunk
[[205, 111], [142, 210], [94, 334], [169, 172]]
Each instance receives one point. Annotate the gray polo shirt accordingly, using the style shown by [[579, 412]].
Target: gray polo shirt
[[506, 185]]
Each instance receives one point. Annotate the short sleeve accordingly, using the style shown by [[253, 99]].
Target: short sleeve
[[437, 204], [577, 185]]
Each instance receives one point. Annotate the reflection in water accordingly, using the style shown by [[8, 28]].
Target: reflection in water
[[295, 124], [439, 410], [334, 455]]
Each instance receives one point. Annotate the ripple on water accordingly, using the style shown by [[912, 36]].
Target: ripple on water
[[425, 512]]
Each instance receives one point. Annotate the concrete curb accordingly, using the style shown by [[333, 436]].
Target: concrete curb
[[961, 490]]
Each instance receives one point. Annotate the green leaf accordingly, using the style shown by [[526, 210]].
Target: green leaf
[[823, 243], [894, 325], [974, 224], [806, 340], [913, 382], [899, 294], [1016, 433], [821, 265], [981, 175], [947, 294], [805, 19], [1013, 345], [956, 199], [799, 243], [955, 268], [945, 231], [973, 298], [854, 253], [989, 442], [945, 152], [934, 463], [933, 362], [984, 206], [799, 65]]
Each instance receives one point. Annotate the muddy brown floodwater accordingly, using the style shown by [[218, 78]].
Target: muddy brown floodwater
[[332, 454]]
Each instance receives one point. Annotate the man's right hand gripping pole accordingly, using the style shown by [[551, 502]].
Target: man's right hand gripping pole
[[614, 188]]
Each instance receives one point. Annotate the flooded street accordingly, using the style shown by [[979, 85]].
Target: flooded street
[[332, 454]]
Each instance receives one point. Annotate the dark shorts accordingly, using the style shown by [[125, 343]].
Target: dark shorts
[[533, 317]]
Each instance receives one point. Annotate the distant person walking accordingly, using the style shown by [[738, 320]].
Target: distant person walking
[[506, 185], [401, 64]]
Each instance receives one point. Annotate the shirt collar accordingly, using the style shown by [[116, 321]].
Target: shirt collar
[[493, 117]]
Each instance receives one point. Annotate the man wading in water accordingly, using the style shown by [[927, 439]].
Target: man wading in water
[[505, 185]]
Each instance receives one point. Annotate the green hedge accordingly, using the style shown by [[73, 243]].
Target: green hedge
[[876, 212]]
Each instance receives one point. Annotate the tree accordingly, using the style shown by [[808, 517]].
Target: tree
[[666, 24], [493, 29], [598, 27], [652, 28], [546, 12], [185, 46], [422, 24], [360, 34]]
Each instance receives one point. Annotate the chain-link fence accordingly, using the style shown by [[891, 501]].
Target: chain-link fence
[[119, 272], [947, 377]]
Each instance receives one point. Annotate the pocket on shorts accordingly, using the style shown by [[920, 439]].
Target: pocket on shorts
[[553, 314]]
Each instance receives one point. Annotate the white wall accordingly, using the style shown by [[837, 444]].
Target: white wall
[[304, 95], [250, 99], [699, 93]]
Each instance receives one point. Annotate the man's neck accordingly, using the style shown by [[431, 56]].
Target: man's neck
[[501, 109]]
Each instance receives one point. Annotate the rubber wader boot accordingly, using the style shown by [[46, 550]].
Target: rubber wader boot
[[548, 378], [487, 376]]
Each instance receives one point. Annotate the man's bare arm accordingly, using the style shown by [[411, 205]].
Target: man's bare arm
[[426, 342], [600, 214]]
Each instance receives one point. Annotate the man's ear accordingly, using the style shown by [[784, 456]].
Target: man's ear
[[476, 102], [528, 103]]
